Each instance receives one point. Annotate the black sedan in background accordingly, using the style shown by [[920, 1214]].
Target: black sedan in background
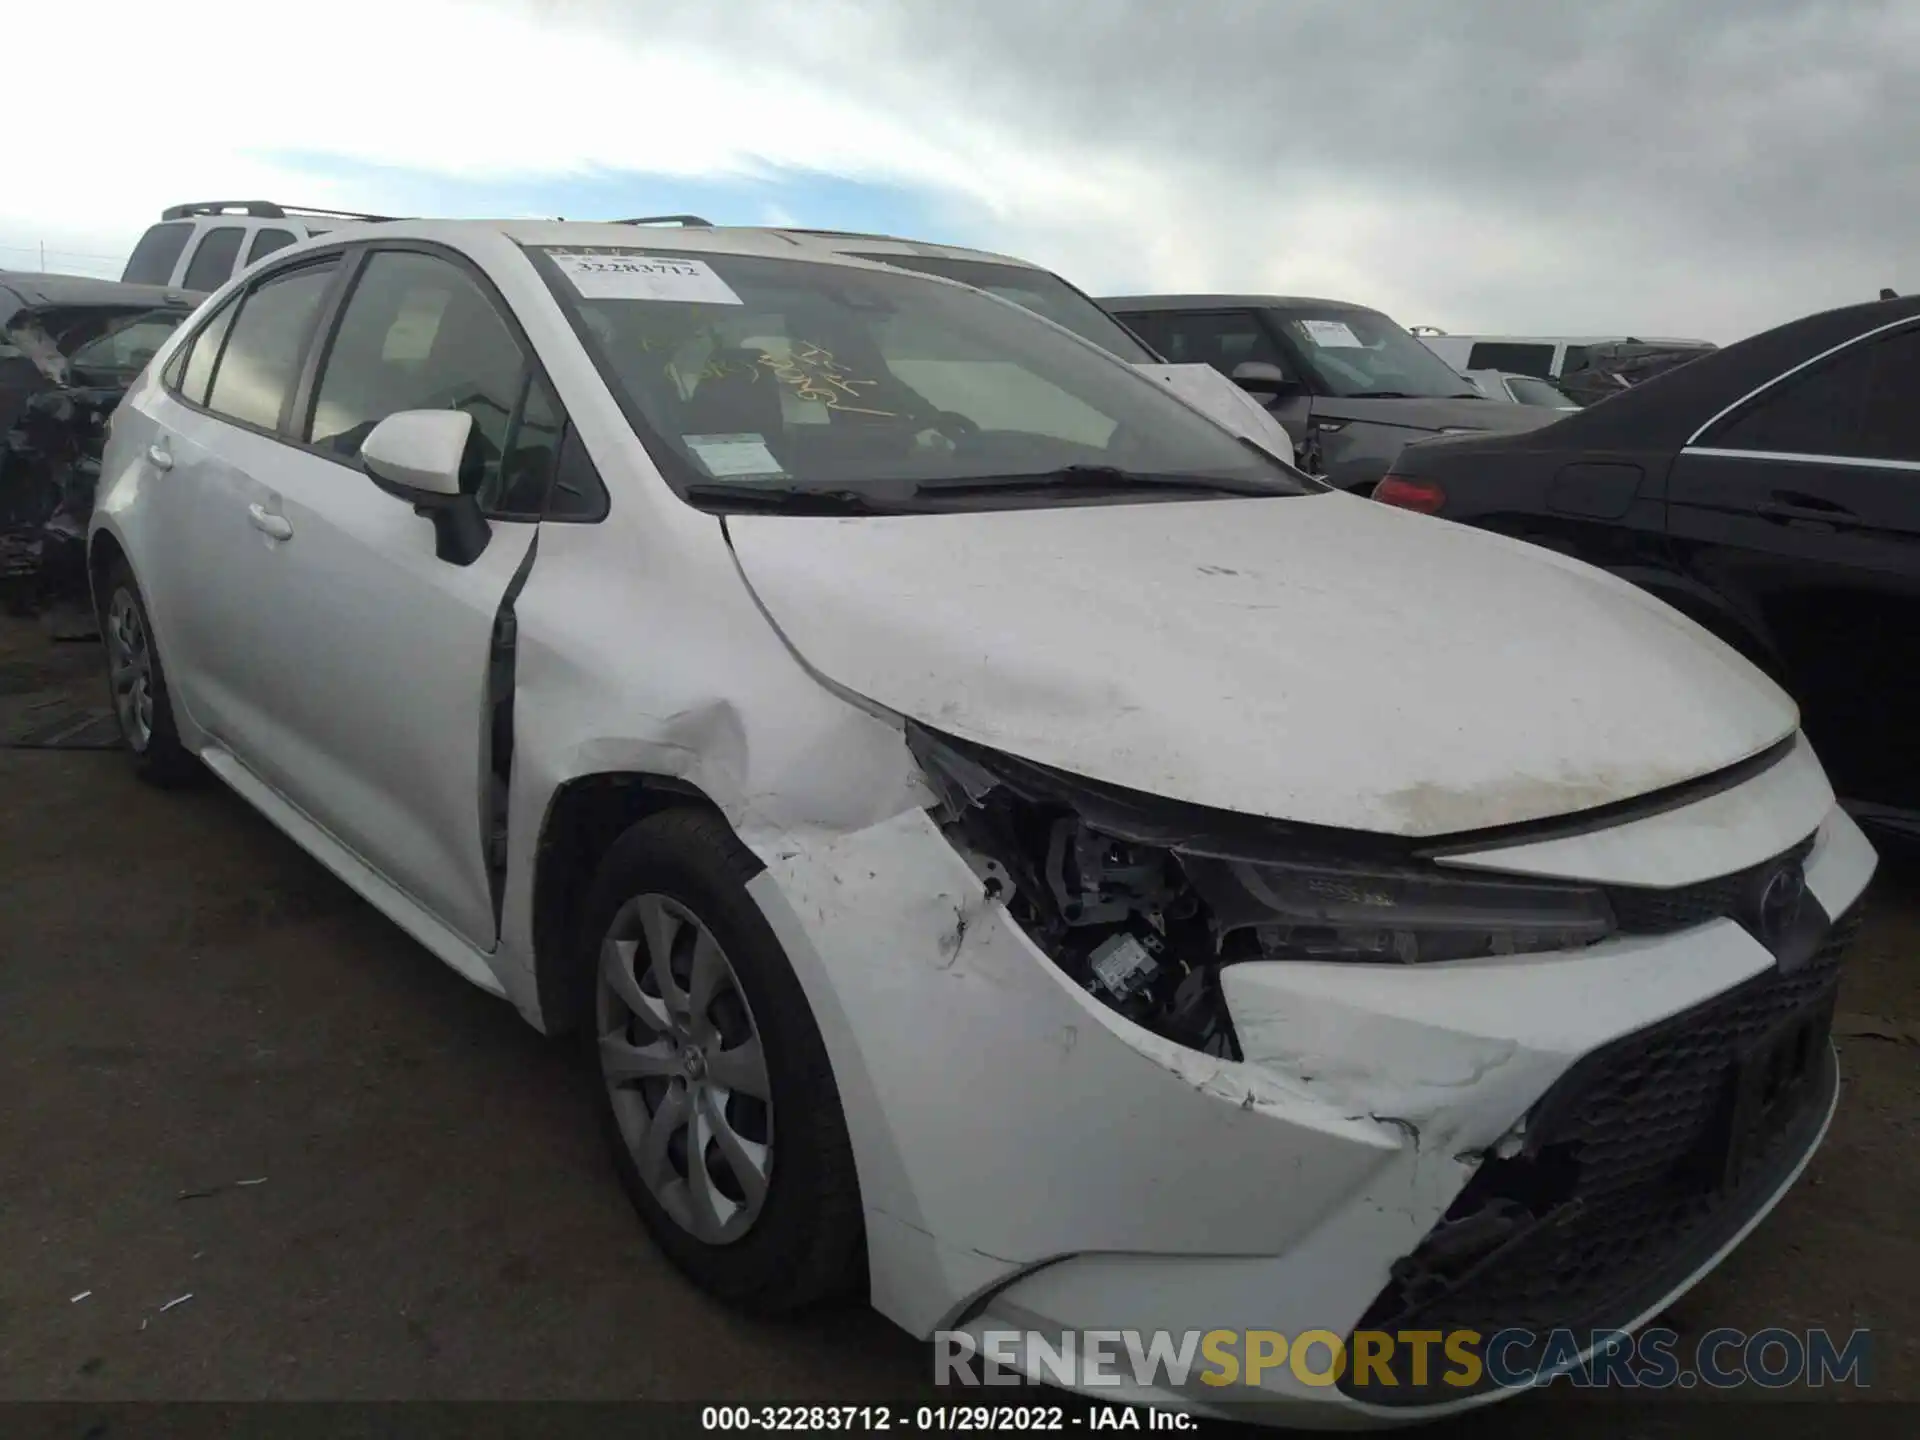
[[1771, 492]]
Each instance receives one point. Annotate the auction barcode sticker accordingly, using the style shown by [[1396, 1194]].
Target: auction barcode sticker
[[637, 275]]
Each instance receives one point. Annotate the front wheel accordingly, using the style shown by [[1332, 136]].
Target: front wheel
[[716, 1094]]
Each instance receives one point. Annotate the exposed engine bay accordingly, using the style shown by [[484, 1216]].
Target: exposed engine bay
[[1142, 903]]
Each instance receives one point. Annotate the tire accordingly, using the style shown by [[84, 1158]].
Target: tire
[[146, 725], [677, 874]]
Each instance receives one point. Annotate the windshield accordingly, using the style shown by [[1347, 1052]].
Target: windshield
[[748, 373], [1040, 291], [1360, 353], [1528, 391]]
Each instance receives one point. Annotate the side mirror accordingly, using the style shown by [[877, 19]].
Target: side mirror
[[418, 456], [1270, 382]]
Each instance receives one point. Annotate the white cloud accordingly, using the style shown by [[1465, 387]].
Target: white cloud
[[1038, 143]]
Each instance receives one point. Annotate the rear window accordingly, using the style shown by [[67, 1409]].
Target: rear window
[[212, 263], [157, 253], [127, 345], [1514, 359]]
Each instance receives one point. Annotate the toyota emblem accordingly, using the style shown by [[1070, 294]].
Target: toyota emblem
[[1778, 910]]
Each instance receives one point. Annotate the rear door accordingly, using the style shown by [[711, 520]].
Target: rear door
[[1803, 508], [218, 450]]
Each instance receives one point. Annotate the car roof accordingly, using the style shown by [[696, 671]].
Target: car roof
[[1616, 339], [1664, 411], [827, 248], [36, 289], [1230, 302], [845, 242]]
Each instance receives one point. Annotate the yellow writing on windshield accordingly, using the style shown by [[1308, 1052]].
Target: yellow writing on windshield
[[813, 374]]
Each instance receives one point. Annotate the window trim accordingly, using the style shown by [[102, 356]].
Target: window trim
[[1786, 457], [1754, 395], [239, 298], [305, 395]]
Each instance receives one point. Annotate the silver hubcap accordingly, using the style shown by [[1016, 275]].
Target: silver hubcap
[[681, 1057], [130, 667]]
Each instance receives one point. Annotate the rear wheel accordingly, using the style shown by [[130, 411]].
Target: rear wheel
[[137, 684], [716, 1094]]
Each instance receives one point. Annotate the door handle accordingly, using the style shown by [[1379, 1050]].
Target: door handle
[[158, 457], [267, 523], [1794, 505]]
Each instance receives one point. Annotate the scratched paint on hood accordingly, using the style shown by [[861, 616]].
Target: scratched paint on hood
[[1320, 658]]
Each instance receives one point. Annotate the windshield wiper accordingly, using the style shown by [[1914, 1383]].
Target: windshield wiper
[[1382, 395], [1096, 477], [787, 499]]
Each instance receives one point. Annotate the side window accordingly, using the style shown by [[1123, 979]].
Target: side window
[[212, 263], [261, 363], [1518, 359], [265, 242], [1222, 339], [1890, 419], [203, 350], [1861, 403], [419, 334], [157, 253], [578, 493], [526, 472]]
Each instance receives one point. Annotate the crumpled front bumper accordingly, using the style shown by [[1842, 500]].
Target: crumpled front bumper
[[1030, 1160]]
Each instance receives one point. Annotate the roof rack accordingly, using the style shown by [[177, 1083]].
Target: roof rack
[[259, 210], [682, 220]]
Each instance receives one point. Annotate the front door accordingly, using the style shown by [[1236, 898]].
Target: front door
[[1803, 510], [370, 654]]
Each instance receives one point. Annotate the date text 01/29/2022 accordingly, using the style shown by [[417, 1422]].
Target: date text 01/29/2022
[[936, 1418]]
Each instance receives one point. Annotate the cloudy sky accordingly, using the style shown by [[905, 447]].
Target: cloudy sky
[[1679, 167]]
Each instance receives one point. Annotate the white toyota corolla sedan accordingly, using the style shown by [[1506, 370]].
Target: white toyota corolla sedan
[[1010, 843]]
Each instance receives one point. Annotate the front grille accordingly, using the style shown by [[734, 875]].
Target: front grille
[[1645, 1158], [1642, 911]]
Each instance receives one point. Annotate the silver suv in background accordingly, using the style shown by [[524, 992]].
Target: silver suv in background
[[1350, 385], [201, 246]]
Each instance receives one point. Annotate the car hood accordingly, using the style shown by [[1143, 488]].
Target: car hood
[[1321, 659], [1434, 415]]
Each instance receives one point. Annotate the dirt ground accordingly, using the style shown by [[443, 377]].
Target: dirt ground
[[189, 1003]]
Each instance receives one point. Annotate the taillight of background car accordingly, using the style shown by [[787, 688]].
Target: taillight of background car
[[1421, 495]]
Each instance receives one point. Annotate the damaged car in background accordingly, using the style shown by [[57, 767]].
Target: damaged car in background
[[69, 346], [1005, 842]]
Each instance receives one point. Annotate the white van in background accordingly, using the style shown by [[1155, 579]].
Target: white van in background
[[1547, 357]]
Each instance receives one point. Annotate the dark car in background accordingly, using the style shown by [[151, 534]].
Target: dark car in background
[[1349, 384], [69, 347], [1769, 491]]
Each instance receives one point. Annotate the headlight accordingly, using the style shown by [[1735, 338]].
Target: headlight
[[1298, 910], [1142, 900]]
